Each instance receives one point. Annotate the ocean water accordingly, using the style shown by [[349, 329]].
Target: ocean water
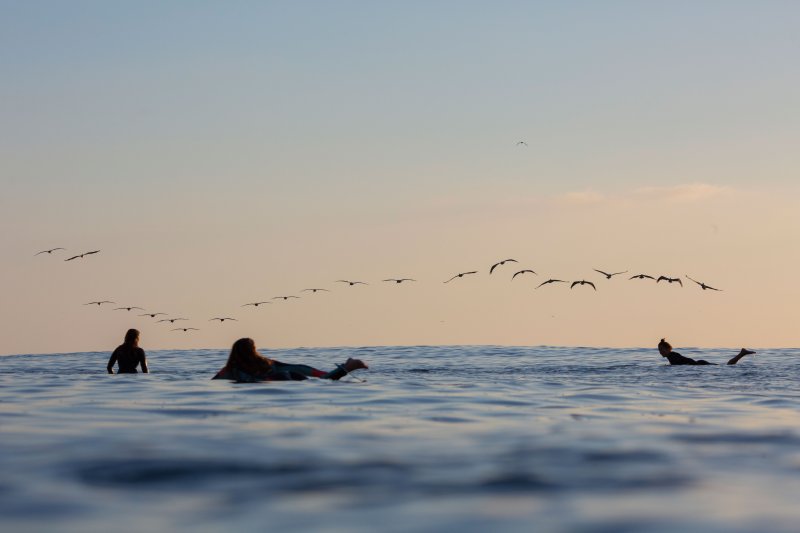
[[471, 438]]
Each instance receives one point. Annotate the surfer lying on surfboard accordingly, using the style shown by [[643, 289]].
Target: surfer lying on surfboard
[[674, 358], [246, 364]]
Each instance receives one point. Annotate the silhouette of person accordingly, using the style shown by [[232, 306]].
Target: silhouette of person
[[674, 358], [245, 364], [128, 355]]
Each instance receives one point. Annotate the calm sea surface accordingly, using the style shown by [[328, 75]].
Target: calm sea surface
[[473, 438]]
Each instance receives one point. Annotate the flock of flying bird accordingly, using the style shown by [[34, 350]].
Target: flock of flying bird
[[608, 275]]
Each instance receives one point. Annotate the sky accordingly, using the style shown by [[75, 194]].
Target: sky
[[224, 153]]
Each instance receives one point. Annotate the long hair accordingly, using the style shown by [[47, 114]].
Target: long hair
[[131, 337], [244, 357]]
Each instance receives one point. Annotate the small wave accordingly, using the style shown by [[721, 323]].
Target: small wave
[[738, 438]]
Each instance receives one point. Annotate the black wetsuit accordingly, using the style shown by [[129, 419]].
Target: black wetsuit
[[675, 358], [281, 372], [129, 357]]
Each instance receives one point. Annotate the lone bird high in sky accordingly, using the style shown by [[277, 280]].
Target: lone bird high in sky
[[81, 256], [50, 251]]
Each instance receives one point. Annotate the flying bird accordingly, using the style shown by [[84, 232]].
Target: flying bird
[[609, 276], [171, 320], [284, 298], [98, 304], [703, 285], [222, 319], [128, 308], [551, 281], [503, 262], [315, 290], [50, 251], [256, 304], [523, 143], [526, 271], [399, 280], [641, 276], [461, 275], [185, 329], [80, 256], [670, 280], [152, 315], [582, 282], [351, 282]]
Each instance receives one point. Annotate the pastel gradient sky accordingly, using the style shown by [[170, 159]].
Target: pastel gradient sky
[[224, 152]]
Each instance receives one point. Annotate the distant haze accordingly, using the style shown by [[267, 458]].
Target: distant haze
[[220, 154]]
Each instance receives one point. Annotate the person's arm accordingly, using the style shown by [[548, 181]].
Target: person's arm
[[112, 362], [143, 362], [342, 370]]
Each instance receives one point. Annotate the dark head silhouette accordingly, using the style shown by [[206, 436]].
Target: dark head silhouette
[[246, 358], [664, 348], [132, 338]]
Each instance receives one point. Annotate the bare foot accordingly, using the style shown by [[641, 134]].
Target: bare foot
[[354, 364]]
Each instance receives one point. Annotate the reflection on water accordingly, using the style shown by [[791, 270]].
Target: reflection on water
[[436, 439]]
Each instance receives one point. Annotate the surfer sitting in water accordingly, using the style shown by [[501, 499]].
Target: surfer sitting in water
[[246, 364], [129, 355], [674, 358]]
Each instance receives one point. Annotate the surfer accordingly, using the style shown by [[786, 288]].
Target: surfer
[[246, 364], [128, 355], [674, 358]]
